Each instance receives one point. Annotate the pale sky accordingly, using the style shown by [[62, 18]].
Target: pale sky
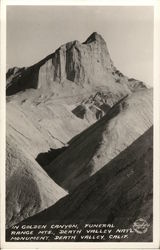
[[33, 32]]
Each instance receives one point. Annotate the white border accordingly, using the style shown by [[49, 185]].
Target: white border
[[156, 219], [82, 2]]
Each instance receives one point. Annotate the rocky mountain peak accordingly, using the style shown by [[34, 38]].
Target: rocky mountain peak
[[94, 37], [74, 131], [87, 65]]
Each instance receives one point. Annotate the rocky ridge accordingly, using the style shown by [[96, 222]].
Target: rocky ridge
[[125, 182], [100, 143], [49, 104], [29, 188], [86, 64]]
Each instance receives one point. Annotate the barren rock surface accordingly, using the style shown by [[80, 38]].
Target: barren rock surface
[[119, 193], [86, 64], [93, 148], [71, 113], [34, 128], [29, 188], [39, 126]]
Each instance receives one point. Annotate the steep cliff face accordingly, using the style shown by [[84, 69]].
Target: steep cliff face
[[93, 148], [49, 105], [120, 193], [86, 64], [77, 62], [80, 63]]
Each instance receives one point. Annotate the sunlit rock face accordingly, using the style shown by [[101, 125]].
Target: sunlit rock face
[[68, 116], [86, 64]]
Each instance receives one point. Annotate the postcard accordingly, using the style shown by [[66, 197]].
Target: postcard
[[80, 124]]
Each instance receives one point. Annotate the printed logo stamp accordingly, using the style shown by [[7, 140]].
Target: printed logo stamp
[[141, 226]]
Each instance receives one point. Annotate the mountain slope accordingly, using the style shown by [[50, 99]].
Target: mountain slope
[[29, 188], [119, 193], [97, 145], [49, 104], [78, 78], [39, 126], [88, 65]]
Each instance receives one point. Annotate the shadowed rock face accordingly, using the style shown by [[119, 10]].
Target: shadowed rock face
[[85, 64], [29, 188], [49, 104], [94, 107], [93, 148], [45, 158], [120, 193], [80, 63]]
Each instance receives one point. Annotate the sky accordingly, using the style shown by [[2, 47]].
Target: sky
[[33, 32]]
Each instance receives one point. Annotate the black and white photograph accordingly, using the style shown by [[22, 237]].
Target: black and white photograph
[[79, 124]]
